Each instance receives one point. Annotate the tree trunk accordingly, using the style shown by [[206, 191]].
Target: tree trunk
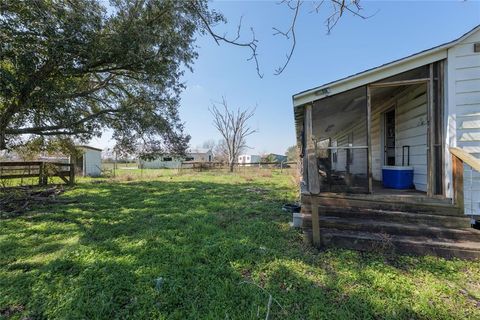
[[231, 166]]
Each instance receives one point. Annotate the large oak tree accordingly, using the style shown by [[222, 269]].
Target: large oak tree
[[74, 68]]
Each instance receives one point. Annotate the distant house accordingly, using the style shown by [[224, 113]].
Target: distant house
[[248, 158], [89, 161], [171, 161], [277, 157]]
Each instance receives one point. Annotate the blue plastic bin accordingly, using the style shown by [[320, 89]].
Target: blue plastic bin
[[397, 177]]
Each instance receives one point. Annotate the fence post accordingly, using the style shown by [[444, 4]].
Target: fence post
[[41, 174], [72, 174]]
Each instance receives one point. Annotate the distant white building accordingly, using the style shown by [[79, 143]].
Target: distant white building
[[248, 158], [172, 162], [89, 161]]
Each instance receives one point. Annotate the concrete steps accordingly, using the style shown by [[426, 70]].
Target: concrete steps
[[442, 233]]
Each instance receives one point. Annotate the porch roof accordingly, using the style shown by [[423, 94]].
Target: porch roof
[[375, 74]]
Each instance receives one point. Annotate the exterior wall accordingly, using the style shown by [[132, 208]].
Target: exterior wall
[[463, 113], [248, 158], [201, 157], [177, 162], [279, 157], [92, 162], [411, 130], [160, 164]]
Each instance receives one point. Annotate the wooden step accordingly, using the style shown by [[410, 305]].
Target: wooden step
[[396, 216], [365, 241], [403, 229], [432, 208], [394, 228]]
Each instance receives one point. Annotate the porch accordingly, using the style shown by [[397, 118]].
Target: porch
[[347, 141], [397, 122]]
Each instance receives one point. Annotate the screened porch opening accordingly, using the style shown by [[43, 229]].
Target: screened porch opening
[[339, 128], [360, 133]]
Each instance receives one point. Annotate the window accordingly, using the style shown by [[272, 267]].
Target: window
[[167, 158], [189, 158]]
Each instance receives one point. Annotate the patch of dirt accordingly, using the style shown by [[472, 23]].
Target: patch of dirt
[[17, 201], [11, 311]]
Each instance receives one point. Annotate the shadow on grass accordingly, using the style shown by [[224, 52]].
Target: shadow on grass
[[200, 249]]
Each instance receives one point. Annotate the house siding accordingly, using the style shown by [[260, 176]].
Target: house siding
[[160, 164], [411, 129], [464, 112]]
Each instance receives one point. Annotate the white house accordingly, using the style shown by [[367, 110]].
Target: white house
[[402, 138], [89, 162], [248, 158], [172, 162], [409, 112]]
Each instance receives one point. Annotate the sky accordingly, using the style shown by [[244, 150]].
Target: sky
[[393, 29]]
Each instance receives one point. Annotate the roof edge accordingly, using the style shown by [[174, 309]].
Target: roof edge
[[424, 53]]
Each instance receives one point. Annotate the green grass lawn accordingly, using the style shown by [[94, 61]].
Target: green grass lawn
[[207, 246]]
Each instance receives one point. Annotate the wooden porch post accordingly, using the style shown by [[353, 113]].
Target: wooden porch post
[[457, 175], [312, 174], [313, 179], [369, 140], [430, 133]]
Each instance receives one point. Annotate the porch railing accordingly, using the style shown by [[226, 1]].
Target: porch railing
[[466, 181]]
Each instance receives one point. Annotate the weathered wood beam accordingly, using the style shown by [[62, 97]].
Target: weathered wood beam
[[369, 139], [313, 175], [457, 175], [441, 125], [430, 134], [315, 222], [398, 83], [304, 169], [466, 158]]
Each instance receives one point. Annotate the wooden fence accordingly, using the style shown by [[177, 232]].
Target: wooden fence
[[201, 166], [41, 169]]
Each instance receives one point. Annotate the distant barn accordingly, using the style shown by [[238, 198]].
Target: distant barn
[[88, 162]]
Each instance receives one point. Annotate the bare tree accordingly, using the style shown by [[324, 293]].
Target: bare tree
[[209, 145], [220, 152], [234, 128], [337, 9]]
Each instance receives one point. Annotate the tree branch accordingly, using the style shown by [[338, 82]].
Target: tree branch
[[46, 130], [252, 44]]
